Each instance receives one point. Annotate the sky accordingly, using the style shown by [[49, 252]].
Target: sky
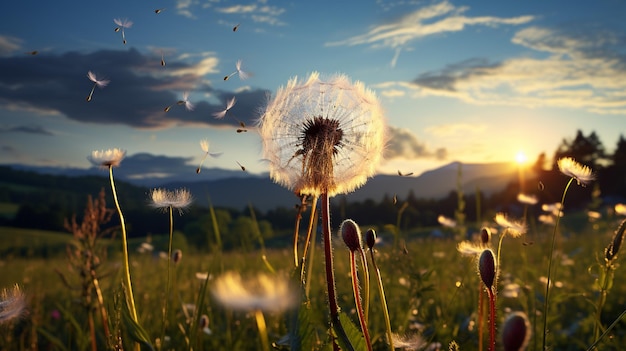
[[468, 81]]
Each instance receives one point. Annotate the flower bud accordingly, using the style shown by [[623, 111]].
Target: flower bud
[[516, 332], [351, 234], [177, 256], [613, 249], [485, 235], [370, 238], [487, 268]]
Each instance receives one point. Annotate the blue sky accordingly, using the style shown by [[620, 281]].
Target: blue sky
[[461, 81]]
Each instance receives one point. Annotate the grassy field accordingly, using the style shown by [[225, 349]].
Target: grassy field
[[431, 289]]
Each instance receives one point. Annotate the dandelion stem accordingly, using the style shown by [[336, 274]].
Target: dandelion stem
[[309, 230], [169, 273], [357, 300], [492, 319], [604, 287], [366, 287], [546, 303], [260, 322], [481, 318], [128, 283], [383, 301], [296, 230]]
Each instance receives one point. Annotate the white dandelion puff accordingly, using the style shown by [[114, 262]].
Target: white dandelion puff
[[100, 83], [515, 229], [107, 158], [121, 25], [573, 169], [243, 75], [165, 199], [261, 292]]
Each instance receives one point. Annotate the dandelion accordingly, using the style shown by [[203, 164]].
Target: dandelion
[[446, 222], [229, 104], [527, 199], [516, 332], [100, 83], [242, 75], [204, 145], [554, 208], [157, 11], [546, 219], [370, 240], [513, 228], [487, 269], [12, 304], [121, 25], [184, 102], [408, 342], [112, 158], [620, 209], [575, 170]]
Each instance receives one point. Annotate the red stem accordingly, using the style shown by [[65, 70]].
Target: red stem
[[357, 301], [492, 320]]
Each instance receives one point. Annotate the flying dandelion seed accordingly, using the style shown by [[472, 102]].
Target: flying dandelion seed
[[229, 104], [242, 75], [100, 83], [184, 102], [204, 145], [157, 11], [239, 130], [405, 174], [236, 27], [121, 25], [240, 165], [162, 59], [33, 53]]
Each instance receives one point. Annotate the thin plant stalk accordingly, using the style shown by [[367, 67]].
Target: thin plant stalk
[[260, 322], [604, 288], [128, 283], [481, 318], [547, 299], [296, 231], [169, 273], [103, 311], [309, 271], [492, 320], [607, 331], [309, 230], [366, 283], [357, 300], [383, 300]]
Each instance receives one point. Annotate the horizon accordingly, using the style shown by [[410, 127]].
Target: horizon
[[458, 80]]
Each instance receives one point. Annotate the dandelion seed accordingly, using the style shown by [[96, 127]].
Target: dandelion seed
[[121, 25], [404, 174], [239, 130], [408, 342], [204, 145], [162, 59], [261, 292], [241, 166], [554, 209], [184, 102], [157, 11], [527, 199], [12, 304], [446, 222], [33, 53], [100, 83], [236, 27], [242, 75], [164, 199], [229, 104], [323, 135], [573, 169], [107, 158], [515, 229], [468, 248]]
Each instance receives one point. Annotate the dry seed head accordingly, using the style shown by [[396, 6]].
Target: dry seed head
[[610, 253], [351, 234], [487, 268], [12, 304], [573, 169], [370, 238], [177, 256], [516, 332], [204, 321], [485, 235], [107, 158]]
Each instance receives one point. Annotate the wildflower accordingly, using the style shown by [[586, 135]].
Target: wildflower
[[322, 135], [446, 222], [121, 24], [164, 199], [107, 158], [242, 75], [515, 229], [12, 304], [229, 104], [263, 292], [100, 83], [516, 332], [527, 199], [573, 169]]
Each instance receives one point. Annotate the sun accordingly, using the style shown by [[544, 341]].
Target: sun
[[521, 157]]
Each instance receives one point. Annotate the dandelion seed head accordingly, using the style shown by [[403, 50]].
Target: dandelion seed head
[[12, 304], [164, 199], [515, 229], [107, 158], [468, 248], [527, 199], [446, 222], [573, 169], [516, 332], [100, 83], [261, 292], [322, 135]]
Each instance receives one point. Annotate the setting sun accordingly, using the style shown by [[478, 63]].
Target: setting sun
[[521, 157]]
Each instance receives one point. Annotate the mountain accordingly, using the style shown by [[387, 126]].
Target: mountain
[[237, 189]]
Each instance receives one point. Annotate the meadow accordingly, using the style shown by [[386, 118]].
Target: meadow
[[431, 289]]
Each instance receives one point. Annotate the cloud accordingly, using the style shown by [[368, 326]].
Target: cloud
[[569, 67], [139, 90], [144, 165], [259, 12], [429, 20], [26, 129], [9, 45], [447, 130], [403, 144]]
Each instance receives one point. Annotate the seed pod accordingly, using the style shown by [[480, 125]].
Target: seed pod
[[177, 256], [487, 268], [204, 321], [351, 234], [370, 238], [516, 332], [611, 251], [485, 235]]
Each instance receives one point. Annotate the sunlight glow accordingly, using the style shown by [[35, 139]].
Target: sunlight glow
[[521, 157]]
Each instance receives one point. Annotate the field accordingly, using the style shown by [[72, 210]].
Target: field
[[432, 291]]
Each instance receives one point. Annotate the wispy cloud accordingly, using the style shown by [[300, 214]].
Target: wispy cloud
[[9, 44], [429, 20], [452, 129], [583, 69], [404, 144], [140, 88], [25, 129]]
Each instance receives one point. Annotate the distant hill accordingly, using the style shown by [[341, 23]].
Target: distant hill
[[242, 188]]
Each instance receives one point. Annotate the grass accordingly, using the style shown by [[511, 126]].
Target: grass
[[430, 289]]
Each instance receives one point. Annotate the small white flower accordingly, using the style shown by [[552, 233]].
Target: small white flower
[[164, 199], [573, 169], [262, 292], [107, 158], [515, 229], [527, 199], [446, 222], [323, 136]]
